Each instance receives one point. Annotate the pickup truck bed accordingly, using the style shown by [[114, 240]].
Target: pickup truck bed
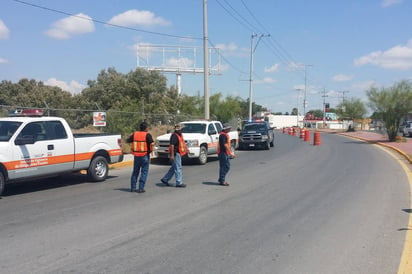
[[33, 147]]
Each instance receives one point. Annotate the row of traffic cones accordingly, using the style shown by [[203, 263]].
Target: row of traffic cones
[[303, 134]]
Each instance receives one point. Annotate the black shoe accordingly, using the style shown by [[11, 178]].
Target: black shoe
[[164, 182], [132, 190], [181, 185], [141, 191]]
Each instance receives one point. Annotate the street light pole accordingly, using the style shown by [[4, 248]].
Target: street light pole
[[205, 60], [252, 51], [304, 96], [297, 105], [324, 105]]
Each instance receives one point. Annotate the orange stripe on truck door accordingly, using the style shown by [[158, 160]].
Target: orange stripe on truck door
[[53, 160]]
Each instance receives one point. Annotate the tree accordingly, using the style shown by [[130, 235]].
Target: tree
[[316, 113], [351, 109], [393, 104]]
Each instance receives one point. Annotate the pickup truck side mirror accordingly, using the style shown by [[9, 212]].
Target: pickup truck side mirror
[[212, 131], [24, 140]]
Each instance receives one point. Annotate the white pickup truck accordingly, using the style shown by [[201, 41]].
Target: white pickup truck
[[201, 137], [32, 147]]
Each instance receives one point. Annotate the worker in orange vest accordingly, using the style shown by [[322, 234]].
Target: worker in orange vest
[[141, 146], [177, 149], [225, 154]]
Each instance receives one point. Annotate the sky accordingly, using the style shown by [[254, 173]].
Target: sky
[[279, 52]]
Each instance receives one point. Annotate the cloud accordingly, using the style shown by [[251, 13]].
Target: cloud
[[70, 26], [396, 58], [362, 86], [273, 68], [266, 80], [4, 31], [74, 87], [387, 3], [232, 49], [342, 78], [3, 61], [138, 18]]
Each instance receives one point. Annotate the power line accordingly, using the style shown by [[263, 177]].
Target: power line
[[234, 17], [104, 23]]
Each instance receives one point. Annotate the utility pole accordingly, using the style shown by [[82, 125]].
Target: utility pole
[[252, 51], [324, 105], [298, 90], [304, 96], [343, 95], [343, 99], [206, 60]]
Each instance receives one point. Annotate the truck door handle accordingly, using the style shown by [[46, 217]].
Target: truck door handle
[[50, 147]]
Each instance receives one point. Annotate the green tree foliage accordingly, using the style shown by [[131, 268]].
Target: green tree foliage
[[392, 103], [128, 99], [318, 113], [351, 109]]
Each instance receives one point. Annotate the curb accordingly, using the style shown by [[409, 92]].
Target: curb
[[381, 144]]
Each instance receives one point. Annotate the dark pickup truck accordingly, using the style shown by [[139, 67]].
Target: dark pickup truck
[[256, 134]]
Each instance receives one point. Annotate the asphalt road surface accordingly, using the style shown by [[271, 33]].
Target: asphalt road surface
[[341, 207]]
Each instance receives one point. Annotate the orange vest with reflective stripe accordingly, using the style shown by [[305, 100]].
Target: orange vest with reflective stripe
[[182, 145], [139, 145], [227, 141]]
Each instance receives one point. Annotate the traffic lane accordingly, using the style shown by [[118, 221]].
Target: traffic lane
[[283, 212]]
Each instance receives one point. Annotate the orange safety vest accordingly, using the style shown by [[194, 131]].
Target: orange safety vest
[[182, 148], [228, 143], [139, 145]]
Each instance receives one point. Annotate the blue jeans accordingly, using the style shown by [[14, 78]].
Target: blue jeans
[[175, 169], [224, 167], [140, 163]]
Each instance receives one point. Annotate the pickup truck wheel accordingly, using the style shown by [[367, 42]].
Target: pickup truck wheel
[[203, 155], [98, 169], [2, 183], [271, 144]]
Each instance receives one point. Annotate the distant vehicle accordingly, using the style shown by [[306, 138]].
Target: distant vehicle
[[407, 129], [257, 134], [201, 137], [402, 126], [32, 146]]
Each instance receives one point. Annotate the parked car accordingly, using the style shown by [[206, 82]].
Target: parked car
[[403, 124], [407, 130]]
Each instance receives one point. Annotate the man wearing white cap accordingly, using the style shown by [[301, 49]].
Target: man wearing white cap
[[177, 149]]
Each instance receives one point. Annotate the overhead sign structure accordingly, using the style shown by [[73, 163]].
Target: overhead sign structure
[[99, 119], [177, 59]]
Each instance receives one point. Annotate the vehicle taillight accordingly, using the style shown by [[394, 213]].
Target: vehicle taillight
[[120, 142]]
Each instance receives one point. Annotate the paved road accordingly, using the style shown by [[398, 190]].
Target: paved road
[[341, 207]]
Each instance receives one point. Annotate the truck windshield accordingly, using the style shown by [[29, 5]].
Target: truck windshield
[[257, 127], [7, 129], [194, 128]]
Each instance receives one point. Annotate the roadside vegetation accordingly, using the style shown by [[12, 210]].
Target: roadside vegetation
[[141, 95]]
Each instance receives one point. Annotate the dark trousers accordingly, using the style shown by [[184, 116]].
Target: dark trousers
[[224, 167], [140, 164]]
